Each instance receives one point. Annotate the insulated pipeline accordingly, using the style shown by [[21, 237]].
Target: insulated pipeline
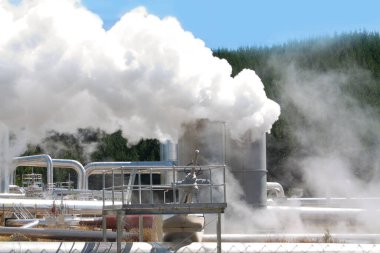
[[37, 160]]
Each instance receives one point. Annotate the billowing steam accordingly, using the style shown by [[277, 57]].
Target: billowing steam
[[337, 134], [59, 69]]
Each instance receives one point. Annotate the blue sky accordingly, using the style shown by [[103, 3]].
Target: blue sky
[[231, 24]]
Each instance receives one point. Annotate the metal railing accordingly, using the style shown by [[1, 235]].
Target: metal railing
[[21, 212], [139, 185]]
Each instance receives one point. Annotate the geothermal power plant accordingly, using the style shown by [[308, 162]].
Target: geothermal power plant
[[62, 71], [207, 194]]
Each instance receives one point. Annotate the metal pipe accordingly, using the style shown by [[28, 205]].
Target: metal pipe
[[70, 220], [93, 206], [72, 247], [31, 224], [113, 189], [219, 234], [104, 221], [83, 206], [62, 233], [21, 222], [319, 211], [72, 164], [339, 202], [141, 228], [119, 230], [322, 214], [277, 188], [61, 163], [302, 237], [36, 160]]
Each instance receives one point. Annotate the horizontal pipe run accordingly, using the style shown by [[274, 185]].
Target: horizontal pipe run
[[62, 233], [31, 224], [320, 213], [95, 207], [354, 202], [293, 238], [72, 220], [80, 206], [280, 247]]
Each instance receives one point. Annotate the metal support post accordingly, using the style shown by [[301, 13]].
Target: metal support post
[[104, 226], [141, 228], [122, 187], [113, 189], [140, 190], [219, 235], [119, 229], [3, 217], [151, 187], [224, 184], [104, 221], [209, 176], [174, 186]]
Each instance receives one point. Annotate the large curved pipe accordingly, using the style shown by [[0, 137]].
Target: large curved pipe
[[61, 163], [72, 164], [277, 188], [37, 160]]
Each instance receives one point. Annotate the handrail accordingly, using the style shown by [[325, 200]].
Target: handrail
[[214, 184]]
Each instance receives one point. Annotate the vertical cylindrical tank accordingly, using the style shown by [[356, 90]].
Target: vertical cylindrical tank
[[168, 151], [247, 162], [4, 159], [246, 159]]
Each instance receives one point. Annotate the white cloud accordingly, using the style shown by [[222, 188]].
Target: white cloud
[[61, 70]]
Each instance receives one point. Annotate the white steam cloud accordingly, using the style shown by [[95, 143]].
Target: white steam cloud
[[337, 134], [59, 69]]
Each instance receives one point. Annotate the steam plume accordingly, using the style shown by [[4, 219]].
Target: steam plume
[[61, 70], [337, 134]]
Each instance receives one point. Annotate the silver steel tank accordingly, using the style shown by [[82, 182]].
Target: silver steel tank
[[246, 159]]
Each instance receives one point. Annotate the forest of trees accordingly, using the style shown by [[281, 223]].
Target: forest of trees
[[356, 56]]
